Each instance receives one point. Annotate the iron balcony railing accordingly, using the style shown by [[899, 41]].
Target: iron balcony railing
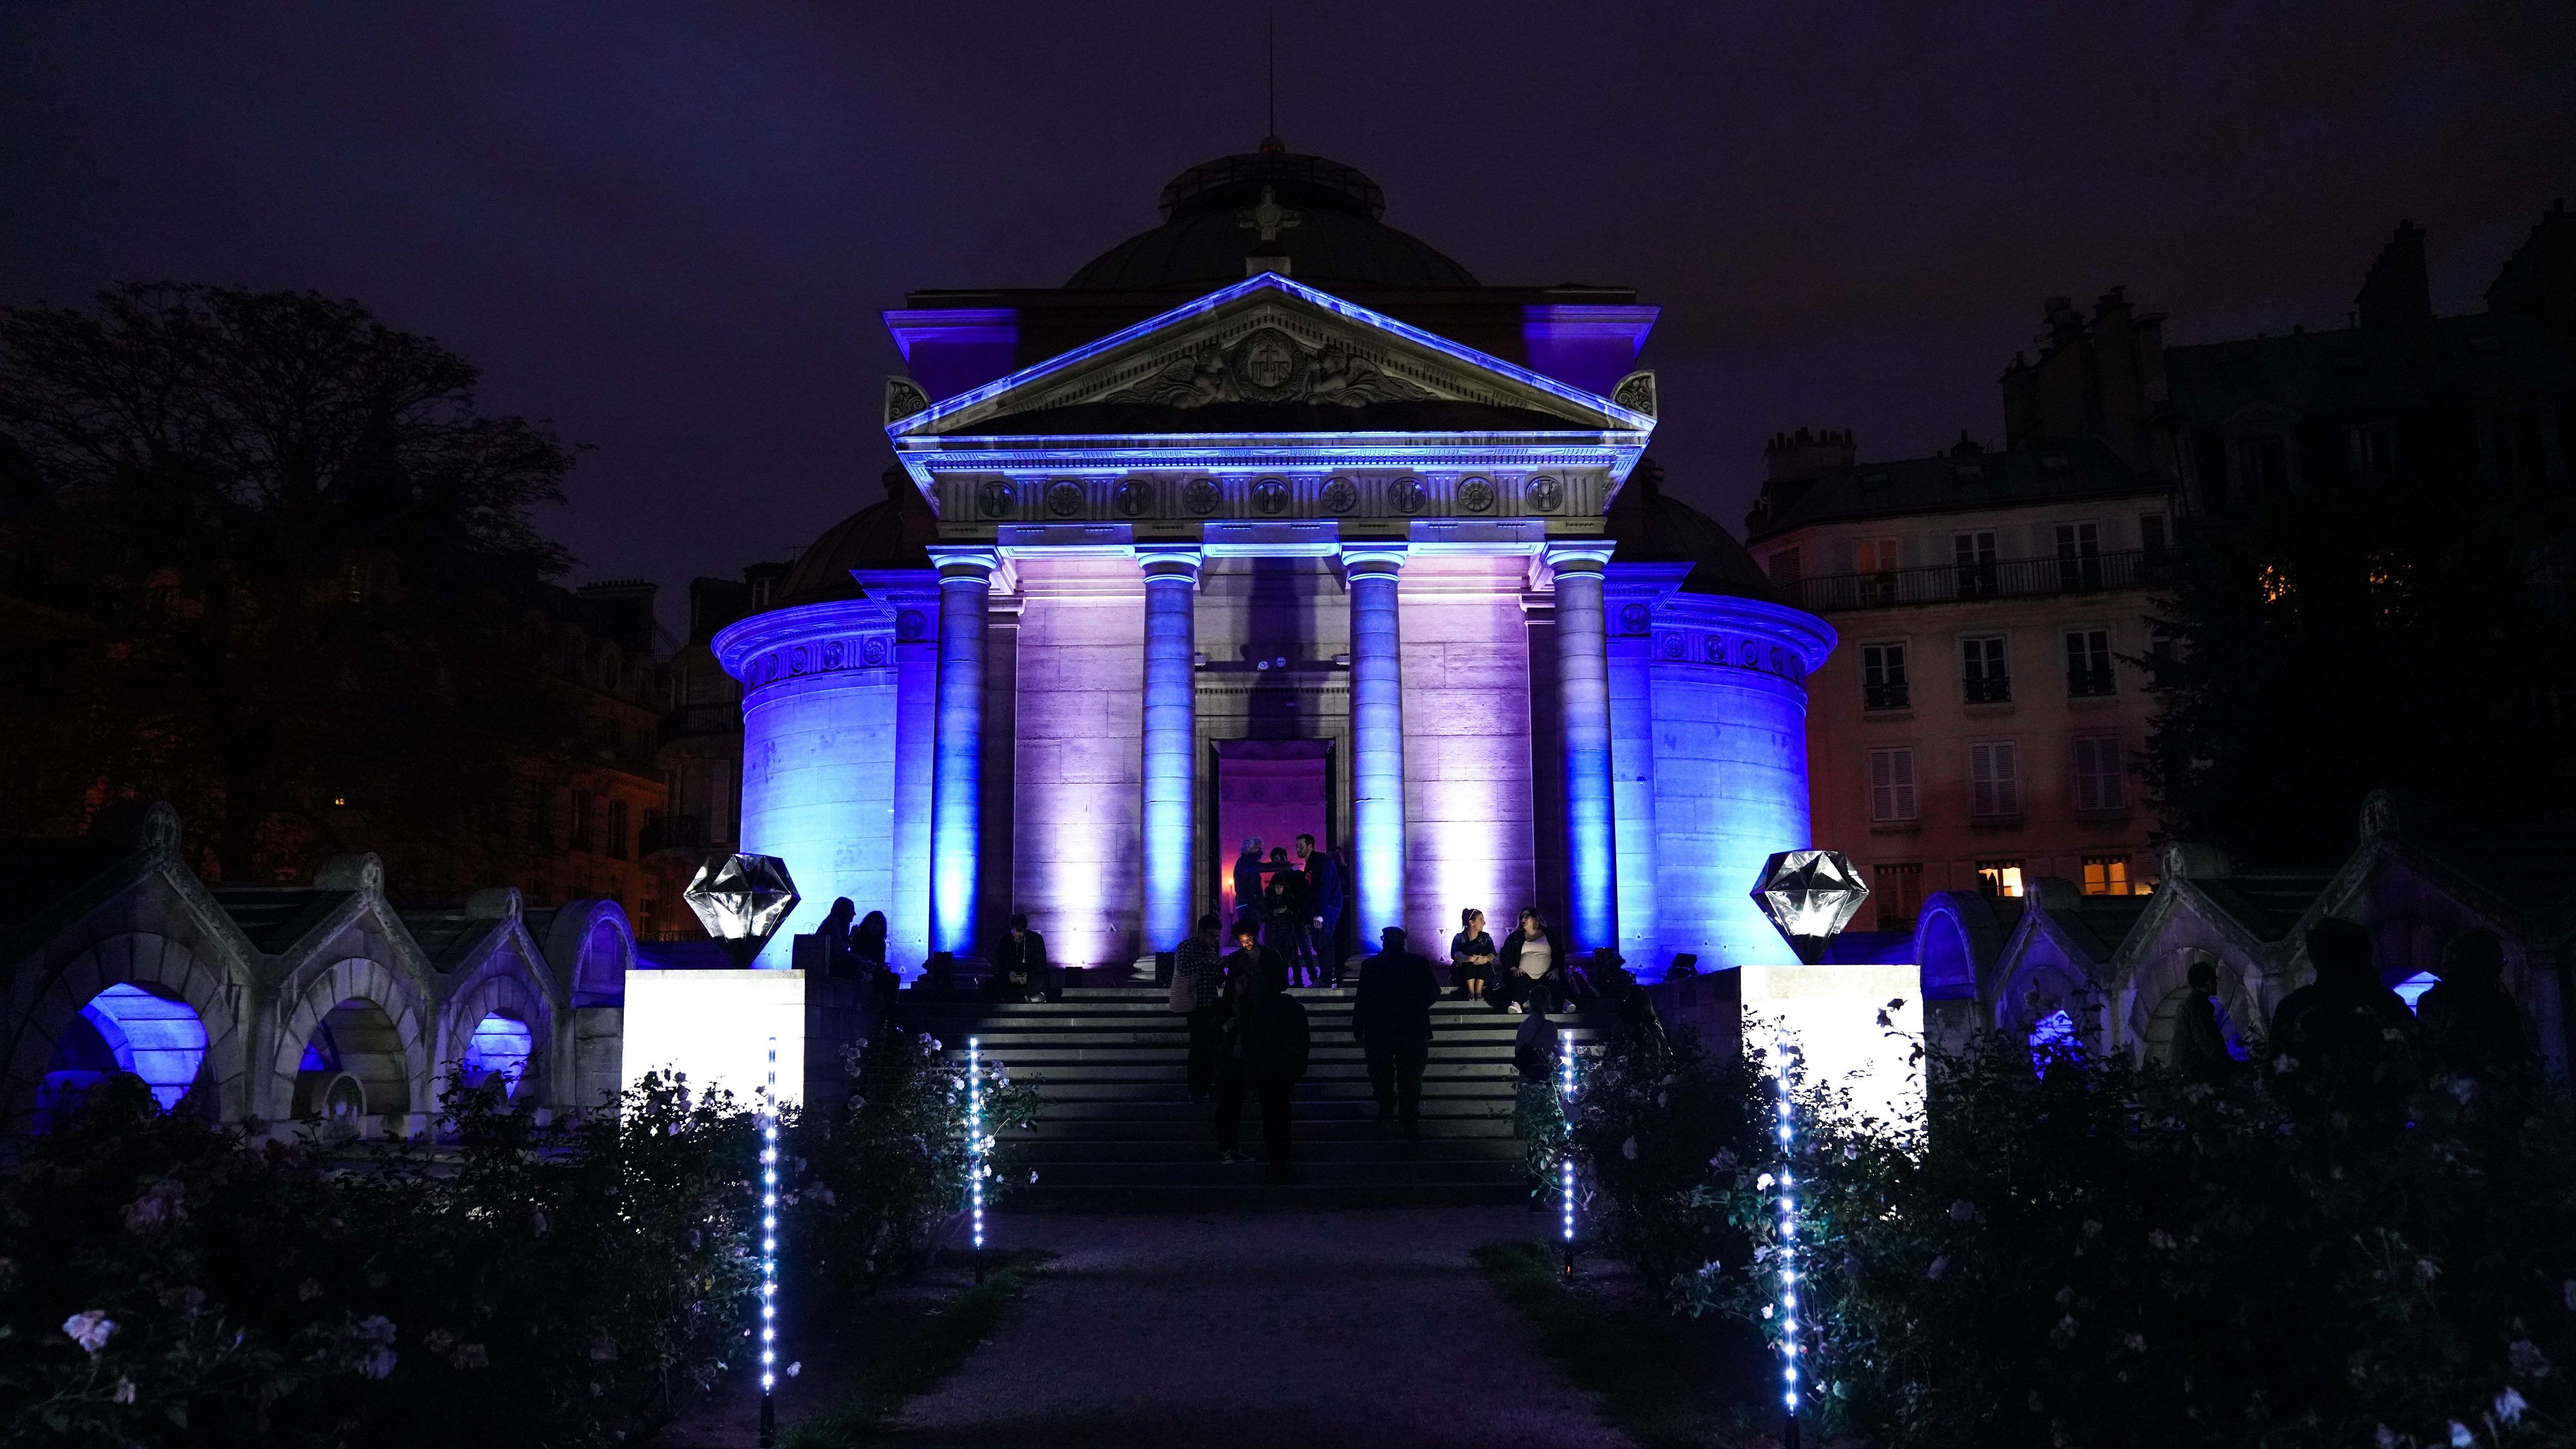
[[1982, 579], [701, 719]]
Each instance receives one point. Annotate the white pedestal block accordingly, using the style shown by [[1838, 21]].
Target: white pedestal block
[[1833, 1012], [715, 1027]]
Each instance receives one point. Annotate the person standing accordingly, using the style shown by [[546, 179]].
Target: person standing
[[1471, 955], [1199, 965], [1275, 1042], [1529, 960], [1248, 965], [1284, 906], [1020, 963], [1249, 867], [1392, 1019], [1329, 887]]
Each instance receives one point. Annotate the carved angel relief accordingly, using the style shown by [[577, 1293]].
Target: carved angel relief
[[1268, 365]]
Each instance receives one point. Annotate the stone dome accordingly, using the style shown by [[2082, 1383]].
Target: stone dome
[[1331, 233], [1651, 527], [887, 535]]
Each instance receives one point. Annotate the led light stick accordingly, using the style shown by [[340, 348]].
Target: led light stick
[[975, 1144], [769, 1253], [1788, 1304], [1565, 1165]]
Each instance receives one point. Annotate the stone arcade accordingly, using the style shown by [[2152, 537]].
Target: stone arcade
[[1274, 521]]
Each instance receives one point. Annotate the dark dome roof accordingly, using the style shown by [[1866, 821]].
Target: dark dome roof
[[887, 535], [1653, 528], [1336, 236]]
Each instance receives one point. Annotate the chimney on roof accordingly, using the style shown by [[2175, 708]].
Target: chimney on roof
[[624, 608], [1807, 452], [2539, 279], [2397, 291]]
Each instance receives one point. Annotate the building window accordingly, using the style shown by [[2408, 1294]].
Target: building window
[[1974, 554], [2374, 452], [1999, 877], [2079, 556], [1875, 561], [1891, 785], [2100, 778], [2088, 663], [1994, 779], [617, 836], [541, 819], [580, 820], [2152, 543], [1981, 669], [2262, 468], [2106, 875], [1882, 677], [1898, 892], [1784, 567]]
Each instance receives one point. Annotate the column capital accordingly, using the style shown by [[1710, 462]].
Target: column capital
[[1583, 555], [1372, 560], [1164, 561], [966, 562]]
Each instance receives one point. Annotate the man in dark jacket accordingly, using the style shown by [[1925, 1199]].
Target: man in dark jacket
[[1020, 963], [1270, 1049], [1249, 868], [1392, 1019], [2349, 1040], [1328, 887]]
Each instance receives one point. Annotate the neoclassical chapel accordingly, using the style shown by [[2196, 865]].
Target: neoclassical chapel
[[1274, 520]]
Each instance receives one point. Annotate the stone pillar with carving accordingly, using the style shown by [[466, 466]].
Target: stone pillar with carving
[[957, 752], [1171, 743], [1377, 740], [1583, 713]]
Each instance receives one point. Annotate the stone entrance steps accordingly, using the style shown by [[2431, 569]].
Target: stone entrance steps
[[1119, 1129]]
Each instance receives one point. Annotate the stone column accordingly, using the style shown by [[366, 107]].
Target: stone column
[[1377, 741], [914, 596], [1171, 738], [1583, 713], [957, 760]]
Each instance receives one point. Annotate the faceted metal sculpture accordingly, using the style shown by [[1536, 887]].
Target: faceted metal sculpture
[[743, 900], [1809, 896]]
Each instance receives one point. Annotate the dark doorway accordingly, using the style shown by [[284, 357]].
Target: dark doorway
[[1272, 791]]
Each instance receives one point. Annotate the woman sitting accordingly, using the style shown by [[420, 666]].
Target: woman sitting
[[1530, 960], [1471, 955]]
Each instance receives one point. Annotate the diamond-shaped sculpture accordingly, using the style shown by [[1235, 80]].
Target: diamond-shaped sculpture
[[1809, 896], [742, 900]]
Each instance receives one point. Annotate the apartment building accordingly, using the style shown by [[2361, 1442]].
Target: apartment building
[[1976, 727]]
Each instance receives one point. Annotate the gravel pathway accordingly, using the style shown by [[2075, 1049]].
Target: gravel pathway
[[1317, 1330]]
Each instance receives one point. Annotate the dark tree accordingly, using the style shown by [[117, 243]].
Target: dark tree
[[261, 548], [2347, 639]]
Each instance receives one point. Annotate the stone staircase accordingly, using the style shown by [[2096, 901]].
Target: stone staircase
[[1119, 1131]]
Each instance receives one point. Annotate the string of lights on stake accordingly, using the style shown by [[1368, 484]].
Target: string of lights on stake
[[1787, 1308], [975, 1144], [1565, 1163], [769, 1253]]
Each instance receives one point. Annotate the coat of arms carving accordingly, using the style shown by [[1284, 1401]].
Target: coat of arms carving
[[1269, 365]]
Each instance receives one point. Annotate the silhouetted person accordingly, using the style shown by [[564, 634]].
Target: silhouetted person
[[2350, 1040], [1197, 963], [835, 935], [2471, 1027], [1331, 872], [2199, 1044], [1249, 868], [1283, 905], [1536, 1045], [868, 958], [1392, 1019], [1020, 963], [1270, 1048]]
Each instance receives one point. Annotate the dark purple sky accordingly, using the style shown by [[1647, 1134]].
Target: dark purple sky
[[669, 228]]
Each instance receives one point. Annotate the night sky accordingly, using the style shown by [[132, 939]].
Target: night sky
[[669, 228]]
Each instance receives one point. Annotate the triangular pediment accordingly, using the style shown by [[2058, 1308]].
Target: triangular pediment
[[1269, 355]]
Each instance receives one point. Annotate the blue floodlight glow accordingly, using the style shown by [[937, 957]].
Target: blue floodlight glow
[[1785, 1308], [1377, 741], [975, 1139], [2053, 1038], [500, 1047], [2411, 991], [1583, 689], [1170, 759], [957, 765]]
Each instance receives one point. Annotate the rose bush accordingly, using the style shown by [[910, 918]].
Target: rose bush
[[2099, 1254]]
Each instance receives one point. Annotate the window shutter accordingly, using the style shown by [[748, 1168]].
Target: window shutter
[[2007, 781], [1904, 779], [1981, 779], [1891, 784]]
